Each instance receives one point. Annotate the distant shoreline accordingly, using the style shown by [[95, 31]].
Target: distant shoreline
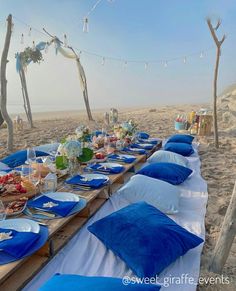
[[74, 113]]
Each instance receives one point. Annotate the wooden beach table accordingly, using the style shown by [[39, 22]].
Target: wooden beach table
[[14, 276]]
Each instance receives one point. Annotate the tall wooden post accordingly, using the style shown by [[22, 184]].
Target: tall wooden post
[[25, 94], [218, 52], [3, 96], [226, 237]]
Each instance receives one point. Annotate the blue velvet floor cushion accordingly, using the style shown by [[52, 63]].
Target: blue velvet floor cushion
[[168, 172], [144, 238], [185, 138], [83, 283], [183, 149], [19, 158]]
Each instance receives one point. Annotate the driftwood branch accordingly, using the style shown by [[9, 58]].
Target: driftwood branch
[[216, 71], [226, 237], [3, 96]]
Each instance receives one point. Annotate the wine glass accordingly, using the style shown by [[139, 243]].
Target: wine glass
[[35, 173], [31, 155], [2, 211]]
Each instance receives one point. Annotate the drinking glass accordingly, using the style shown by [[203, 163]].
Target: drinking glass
[[35, 173], [2, 211], [31, 155]]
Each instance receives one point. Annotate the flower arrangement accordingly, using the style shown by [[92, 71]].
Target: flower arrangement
[[83, 133], [126, 129], [71, 153]]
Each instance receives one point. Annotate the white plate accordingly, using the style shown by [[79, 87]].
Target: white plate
[[134, 149], [110, 165], [145, 144], [126, 156], [63, 196], [95, 176], [20, 224]]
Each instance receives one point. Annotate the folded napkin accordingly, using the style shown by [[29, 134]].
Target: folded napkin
[[142, 146], [80, 180], [62, 208], [127, 160], [152, 141], [110, 170], [19, 244], [138, 151]]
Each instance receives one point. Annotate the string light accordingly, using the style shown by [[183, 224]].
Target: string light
[[65, 41], [146, 63], [30, 30], [22, 39], [46, 48], [103, 61], [86, 25], [125, 65], [33, 47]]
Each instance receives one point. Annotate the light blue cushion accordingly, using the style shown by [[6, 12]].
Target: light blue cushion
[[19, 158], [160, 194], [82, 283], [168, 172], [167, 157], [144, 238], [183, 149], [185, 138], [143, 135]]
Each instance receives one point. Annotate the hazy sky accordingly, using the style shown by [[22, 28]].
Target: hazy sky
[[129, 29]]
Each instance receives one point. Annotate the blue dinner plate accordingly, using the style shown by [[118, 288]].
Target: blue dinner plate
[[6, 258], [81, 205]]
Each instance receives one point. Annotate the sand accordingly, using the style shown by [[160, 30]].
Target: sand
[[218, 166]]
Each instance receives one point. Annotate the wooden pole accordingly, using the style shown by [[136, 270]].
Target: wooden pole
[[218, 52], [26, 97], [3, 96], [226, 237]]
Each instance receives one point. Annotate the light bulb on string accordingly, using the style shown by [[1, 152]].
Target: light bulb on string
[[201, 55], [65, 41], [22, 39], [46, 48], [125, 65], [146, 66], [30, 30], [33, 46], [185, 60], [103, 61], [165, 64], [85, 25]]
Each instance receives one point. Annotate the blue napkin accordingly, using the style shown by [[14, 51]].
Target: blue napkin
[[63, 208], [141, 146], [140, 151], [127, 160], [19, 244], [152, 141], [79, 180], [113, 170]]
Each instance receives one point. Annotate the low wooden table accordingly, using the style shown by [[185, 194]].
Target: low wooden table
[[14, 276]]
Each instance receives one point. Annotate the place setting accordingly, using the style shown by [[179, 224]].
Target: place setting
[[19, 238], [122, 158], [87, 181], [54, 205], [105, 168]]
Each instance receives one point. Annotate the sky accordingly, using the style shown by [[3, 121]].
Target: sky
[[160, 30]]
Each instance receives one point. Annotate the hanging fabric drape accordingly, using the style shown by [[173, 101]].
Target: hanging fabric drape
[[82, 76]]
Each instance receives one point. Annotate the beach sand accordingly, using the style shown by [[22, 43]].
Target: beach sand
[[218, 166]]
